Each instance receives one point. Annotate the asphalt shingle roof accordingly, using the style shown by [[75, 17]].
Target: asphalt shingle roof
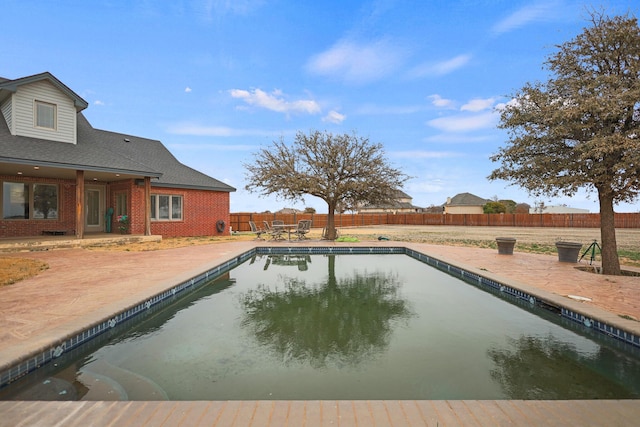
[[467, 199], [101, 150], [151, 154]]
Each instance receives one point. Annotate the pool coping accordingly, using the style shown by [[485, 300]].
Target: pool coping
[[587, 317]]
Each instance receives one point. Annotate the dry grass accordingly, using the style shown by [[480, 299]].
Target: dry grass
[[15, 269]]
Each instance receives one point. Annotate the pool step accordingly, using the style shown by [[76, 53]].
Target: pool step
[[109, 382]]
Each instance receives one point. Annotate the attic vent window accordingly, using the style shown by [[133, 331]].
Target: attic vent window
[[45, 116]]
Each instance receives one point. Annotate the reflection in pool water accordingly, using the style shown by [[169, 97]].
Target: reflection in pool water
[[333, 321], [342, 327]]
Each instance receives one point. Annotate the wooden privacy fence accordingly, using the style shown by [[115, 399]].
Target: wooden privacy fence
[[240, 221]]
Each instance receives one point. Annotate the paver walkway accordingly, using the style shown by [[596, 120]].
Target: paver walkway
[[82, 287]]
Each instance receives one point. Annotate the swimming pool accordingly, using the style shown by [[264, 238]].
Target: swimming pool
[[307, 326]]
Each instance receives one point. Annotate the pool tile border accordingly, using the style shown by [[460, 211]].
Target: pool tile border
[[35, 361]]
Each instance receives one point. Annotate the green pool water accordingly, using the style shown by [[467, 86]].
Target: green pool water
[[341, 327]]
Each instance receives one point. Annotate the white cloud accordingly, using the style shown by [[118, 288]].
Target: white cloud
[[513, 102], [357, 63], [98, 102], [276, 101], [441, 102], [187, 89], [478, 104], [440, 68], [334, 117], [452, 64], [465, 123], [523, 16]]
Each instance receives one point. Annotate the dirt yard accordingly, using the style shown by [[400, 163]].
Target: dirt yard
[[628, 239]]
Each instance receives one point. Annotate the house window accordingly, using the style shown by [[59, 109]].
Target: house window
[[45, 201], [166, 207], [121, 204], [29, 201], [45, 115]]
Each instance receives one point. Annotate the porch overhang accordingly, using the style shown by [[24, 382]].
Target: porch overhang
[[40, 169]]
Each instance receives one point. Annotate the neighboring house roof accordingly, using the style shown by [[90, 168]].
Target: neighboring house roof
[[399, 194], [99, 150], [396, 205], [466, 199], [401, 201], [289, 211]]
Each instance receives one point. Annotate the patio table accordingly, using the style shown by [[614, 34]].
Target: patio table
[[288, 227]]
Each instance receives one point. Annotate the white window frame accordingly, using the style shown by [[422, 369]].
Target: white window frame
[[53, 108], [170, 215]]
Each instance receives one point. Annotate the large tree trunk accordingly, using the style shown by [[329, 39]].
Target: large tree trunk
[[331, 223], [610, 261]]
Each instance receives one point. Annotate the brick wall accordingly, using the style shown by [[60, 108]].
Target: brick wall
[[201, 210]]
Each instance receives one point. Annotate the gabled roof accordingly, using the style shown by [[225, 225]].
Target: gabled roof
[[467, 199], [395, 203], [11, 86], [399, 194], [105, 151], [99, 150], [87, 154], [150, 153]]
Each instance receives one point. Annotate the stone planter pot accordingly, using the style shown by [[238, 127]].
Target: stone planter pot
[[568, 251], [505, 245]]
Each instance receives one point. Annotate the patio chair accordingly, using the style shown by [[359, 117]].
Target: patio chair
[[258, 231], [278, 229], [304, 226], [275, 233]]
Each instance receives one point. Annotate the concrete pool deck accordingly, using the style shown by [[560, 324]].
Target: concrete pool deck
[[83, 286]]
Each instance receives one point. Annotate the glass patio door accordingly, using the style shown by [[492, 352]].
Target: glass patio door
[[93, 207]]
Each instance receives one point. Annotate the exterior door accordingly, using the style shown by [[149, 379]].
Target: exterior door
[[94, 209]]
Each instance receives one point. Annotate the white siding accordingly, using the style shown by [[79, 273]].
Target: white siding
[[6, 112], [23, 113]]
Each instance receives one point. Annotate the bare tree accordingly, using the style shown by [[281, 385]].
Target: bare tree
[[581, 129], [343, 170]]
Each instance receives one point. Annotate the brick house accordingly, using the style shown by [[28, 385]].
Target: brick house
[[60, 175]]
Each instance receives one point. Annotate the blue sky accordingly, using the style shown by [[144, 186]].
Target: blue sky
[[215, 80]]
